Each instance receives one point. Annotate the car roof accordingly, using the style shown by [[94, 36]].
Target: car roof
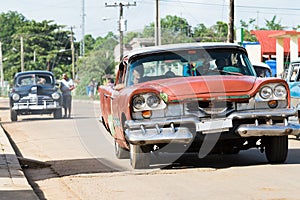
[[261, 64], [34, 72], [296, 61], [182, 46]]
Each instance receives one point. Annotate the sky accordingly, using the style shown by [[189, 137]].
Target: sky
[[70, 12]]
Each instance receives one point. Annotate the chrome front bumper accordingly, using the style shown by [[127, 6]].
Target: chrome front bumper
[[34, 106], [175, 129]]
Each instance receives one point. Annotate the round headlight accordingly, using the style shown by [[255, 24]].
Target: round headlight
[[153, 101], [55, 96], [280, 91], [138, 102], [266, 92], [16, 97]]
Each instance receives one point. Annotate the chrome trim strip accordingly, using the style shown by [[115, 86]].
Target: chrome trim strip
[[248, 114], [135, 124], [268, 130]]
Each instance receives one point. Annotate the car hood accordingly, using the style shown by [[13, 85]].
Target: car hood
[[41, 90], [206, 86]]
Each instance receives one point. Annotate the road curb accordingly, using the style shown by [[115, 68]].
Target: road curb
[[13, 183]]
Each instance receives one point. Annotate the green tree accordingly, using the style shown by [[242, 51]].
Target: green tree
[[174, 29], [220, 30], [273, 25], [247, 27], [176, 25], [42, 42], [89, 42], [129, 36], [215, 33], [99, 62]]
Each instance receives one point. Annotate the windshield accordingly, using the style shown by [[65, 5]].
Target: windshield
[[188, 63], [34, 79]]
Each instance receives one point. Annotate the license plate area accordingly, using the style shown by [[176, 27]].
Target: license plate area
[[214, 125]]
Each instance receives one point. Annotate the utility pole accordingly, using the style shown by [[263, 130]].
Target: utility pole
[[157, 25], [22, 54], [1, 67], [230, 35], [122, 26], [73, 54], [82, 44]]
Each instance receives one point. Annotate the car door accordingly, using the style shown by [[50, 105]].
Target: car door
[[117, 102]]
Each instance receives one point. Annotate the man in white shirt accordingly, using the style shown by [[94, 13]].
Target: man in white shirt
[[66, 86]]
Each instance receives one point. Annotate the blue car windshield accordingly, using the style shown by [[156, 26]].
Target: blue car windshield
[[34, 79]]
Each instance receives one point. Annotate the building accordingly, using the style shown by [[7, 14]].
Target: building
[[279, 45]]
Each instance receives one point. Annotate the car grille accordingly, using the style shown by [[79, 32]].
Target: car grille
[[209, 108], [36, 99]]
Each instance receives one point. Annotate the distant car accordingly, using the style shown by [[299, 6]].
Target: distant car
[[292, 77], [201, 97], [35, 92], [293, 80], [262, 69]]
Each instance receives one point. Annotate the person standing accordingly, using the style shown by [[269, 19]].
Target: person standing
[[67, 85], [92, 86]]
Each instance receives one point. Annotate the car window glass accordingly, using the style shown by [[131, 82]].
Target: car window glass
[[26, 80], [35, 79], [44, 80], [295, 76], [189, 63]]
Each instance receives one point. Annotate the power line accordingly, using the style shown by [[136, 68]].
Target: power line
[[171, 2], [122, 22]]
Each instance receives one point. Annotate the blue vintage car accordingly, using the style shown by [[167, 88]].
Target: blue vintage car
[[35, 92]]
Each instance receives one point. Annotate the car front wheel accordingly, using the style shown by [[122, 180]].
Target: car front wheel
[[276, 149], [13, 115], [57, 114], [139, 156]]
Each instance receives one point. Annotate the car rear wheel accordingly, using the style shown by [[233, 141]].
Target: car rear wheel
[[139, 156], [57, 114], [120, 152], [276, 149], [13, 116]]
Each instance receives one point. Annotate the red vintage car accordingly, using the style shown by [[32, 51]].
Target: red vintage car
[[200, 97]]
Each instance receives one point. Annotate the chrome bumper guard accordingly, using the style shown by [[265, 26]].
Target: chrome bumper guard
[[151, 131], [34, 106]]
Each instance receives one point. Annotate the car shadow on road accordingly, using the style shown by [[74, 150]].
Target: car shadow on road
[[30, 119], [252, 157], [36, 171], [4, 108], [60, 168]]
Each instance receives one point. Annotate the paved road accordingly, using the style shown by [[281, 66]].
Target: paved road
[[74, 159]]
